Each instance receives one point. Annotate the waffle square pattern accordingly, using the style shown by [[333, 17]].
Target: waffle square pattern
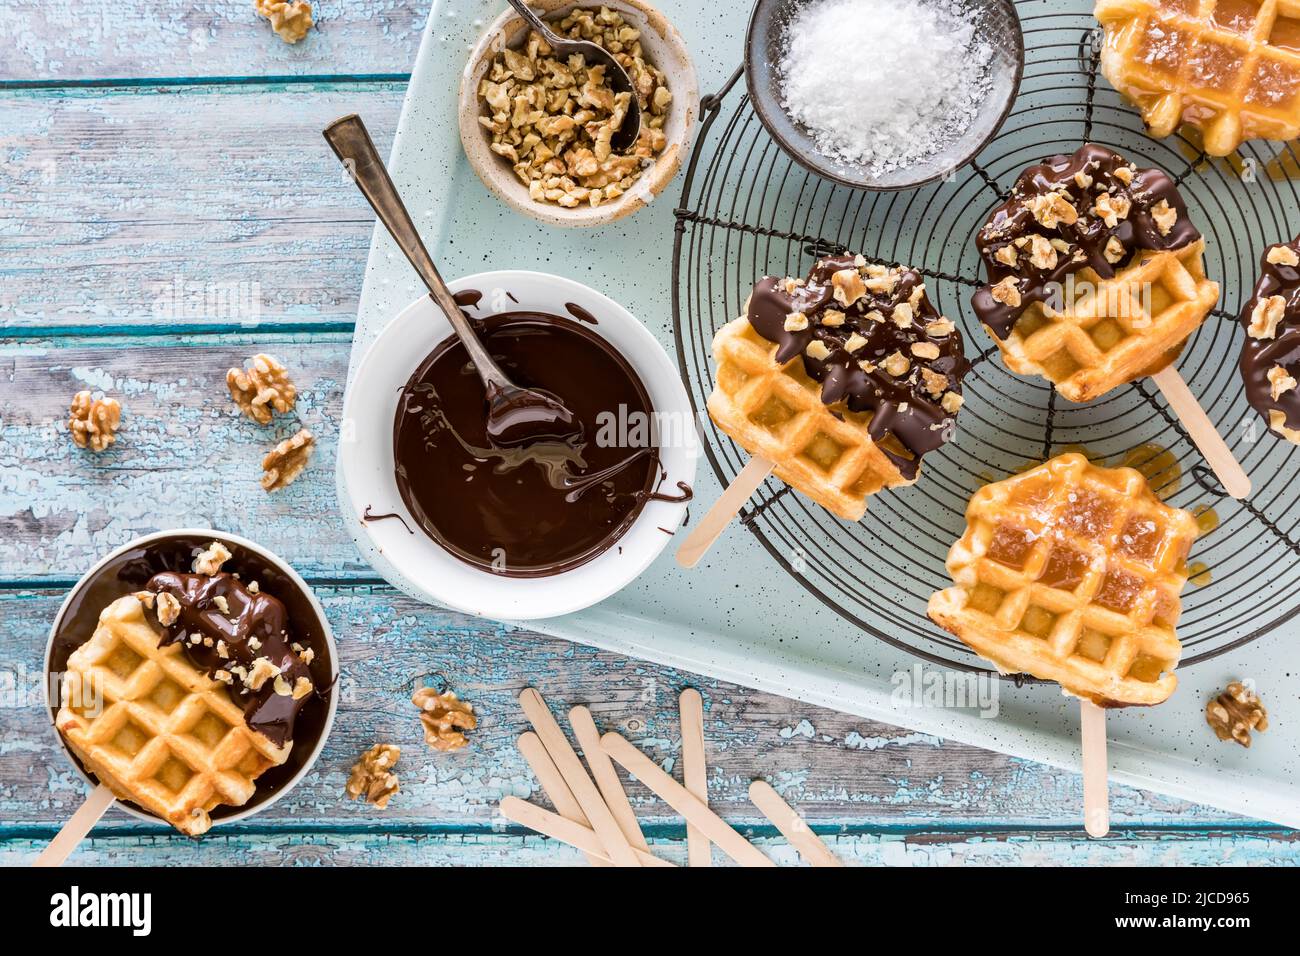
[[1229, 67], [822, 451], [1073, 573], [1110, 331], [154, 728]]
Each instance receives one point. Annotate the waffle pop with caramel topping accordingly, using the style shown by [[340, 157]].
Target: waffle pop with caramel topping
[[1095, 273], [844, 379], [1073, 573]]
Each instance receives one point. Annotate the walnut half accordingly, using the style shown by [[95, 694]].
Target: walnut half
[[286, 461], [372, 775], [1235, 713], [93, 422], [444, 716], [290, 20], [262, 386]]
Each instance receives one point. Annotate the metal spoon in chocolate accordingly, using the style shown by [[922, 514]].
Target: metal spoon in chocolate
[[593, 53], [515, 416]]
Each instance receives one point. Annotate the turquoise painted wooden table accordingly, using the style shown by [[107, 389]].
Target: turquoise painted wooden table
[[158, 162]]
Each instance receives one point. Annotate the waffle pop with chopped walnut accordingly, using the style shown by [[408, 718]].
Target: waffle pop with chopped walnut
[[1228, 67], [1270, 353], [840, 383], [1073, 573], [1095, 273]]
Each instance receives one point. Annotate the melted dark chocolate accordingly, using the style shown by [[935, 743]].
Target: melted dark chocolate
[[1260, 355], [908, 406], [368, 516], [579, 313], [131, 571], [253, 625], [1086, 239], [533, 511]]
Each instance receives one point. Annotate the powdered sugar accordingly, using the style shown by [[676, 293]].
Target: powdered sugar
[[883, 84]]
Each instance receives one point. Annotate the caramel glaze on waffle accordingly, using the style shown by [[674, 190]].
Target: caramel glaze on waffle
[[254, 625], [1274, 345], [892, 315], [1080, 178]]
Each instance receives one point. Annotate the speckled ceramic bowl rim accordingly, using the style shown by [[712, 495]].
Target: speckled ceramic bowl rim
[[496, 173], [287, 570], [759, 101]]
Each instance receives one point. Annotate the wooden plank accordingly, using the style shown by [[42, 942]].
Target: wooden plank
[[65, 40], [844, 771], [184, 454], [113, 201], [486, 848]]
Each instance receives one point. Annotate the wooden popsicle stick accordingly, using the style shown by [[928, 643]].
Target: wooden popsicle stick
[[553, 785], [566, 831], [1096, 799], [570, 767], [611, 788], [694, 774], [1226, 468], [683, 801], [711, 526], [78, 825], [792, 826]]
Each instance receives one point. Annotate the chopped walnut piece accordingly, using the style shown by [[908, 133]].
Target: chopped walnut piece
[[817, 349], [1042, 254], [445, 718], [1235, 712], [262, 386], [1051, 210], [903, 315], [848, 286], [796, 322], [1112, 209], [940, 327], [832, 317], [290, 20], [1280, 380], [897, 364], [210, 560], [854, 342], [169, 609], [372, 775], [286, 461], [1265, 317], [1114, 250], [1164, 216], [1006, 255], [925, 350], [934, 382], [952, 402], [1124, 174], [93, 422], [263, 670], [1082, 179], [1006, 292], [1282, 256]]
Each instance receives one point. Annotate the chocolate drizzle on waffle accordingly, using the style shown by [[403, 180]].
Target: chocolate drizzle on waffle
[[855, 334], [1273, 337], [1037, 241], [251, 626]]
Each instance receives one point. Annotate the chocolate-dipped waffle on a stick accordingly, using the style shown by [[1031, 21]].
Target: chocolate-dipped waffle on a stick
[[1096, 278], [839, 383]]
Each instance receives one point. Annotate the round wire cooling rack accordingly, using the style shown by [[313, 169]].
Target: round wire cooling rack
[[748, 210]]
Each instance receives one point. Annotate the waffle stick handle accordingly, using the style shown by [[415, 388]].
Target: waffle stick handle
[[1096, 798], [1203, 433], [78, 825], [711, 526]]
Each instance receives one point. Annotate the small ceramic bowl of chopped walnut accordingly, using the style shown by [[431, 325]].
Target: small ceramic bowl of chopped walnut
[[537, 128]]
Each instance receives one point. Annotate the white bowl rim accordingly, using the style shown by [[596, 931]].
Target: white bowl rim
[[670, 397], [283, 566]]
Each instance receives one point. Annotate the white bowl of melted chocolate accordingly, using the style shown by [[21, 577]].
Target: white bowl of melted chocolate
[[196, 677], [520, 532]]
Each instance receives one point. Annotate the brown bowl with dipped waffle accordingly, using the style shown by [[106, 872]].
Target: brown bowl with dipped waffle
[[136, 709]]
